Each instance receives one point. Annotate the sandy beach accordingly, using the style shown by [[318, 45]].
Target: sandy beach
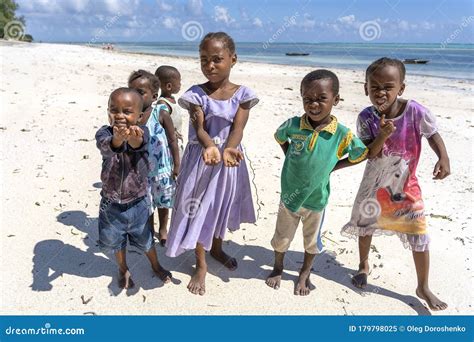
[[53, 100]]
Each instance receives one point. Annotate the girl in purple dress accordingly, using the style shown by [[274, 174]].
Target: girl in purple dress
[[213, 191]]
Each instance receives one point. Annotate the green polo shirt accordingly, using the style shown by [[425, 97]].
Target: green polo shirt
[[311, 157]]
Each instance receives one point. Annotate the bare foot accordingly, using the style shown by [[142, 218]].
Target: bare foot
[[433, 302], [303, 285], [274, 279], [125, 280], [197, 284], [225, 259], [163, 274], [359, 280]]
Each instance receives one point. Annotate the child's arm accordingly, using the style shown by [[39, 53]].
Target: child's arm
[[375, 147], [138, 139], [211, 154], [166, 104], [442, 168], [167, 123], [386, 129], [120, 135], [232, 156], [285, 147], [110, 143]]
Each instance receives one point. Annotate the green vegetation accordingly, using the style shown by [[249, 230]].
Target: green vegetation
[[11, 26]]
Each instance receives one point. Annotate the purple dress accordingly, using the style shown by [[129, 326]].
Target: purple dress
[[210, 199]]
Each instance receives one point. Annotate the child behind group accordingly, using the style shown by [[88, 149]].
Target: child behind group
[[314, 145], [170, 80], [162, 148], [213, 192], [124, 207], [389, 199]]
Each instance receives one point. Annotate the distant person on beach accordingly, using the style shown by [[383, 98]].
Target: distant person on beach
[[314, 145], [125, 206], [213, 192], [163, 152], [170, 80], [389, 199]]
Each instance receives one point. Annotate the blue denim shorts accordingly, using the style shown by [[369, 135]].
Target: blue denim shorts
[[117, 222]]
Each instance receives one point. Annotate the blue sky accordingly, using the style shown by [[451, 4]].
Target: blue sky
[[382, 21]]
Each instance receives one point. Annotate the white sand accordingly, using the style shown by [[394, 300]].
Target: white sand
[[55, 96]]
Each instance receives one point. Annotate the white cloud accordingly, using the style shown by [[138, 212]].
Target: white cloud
[[403, 25], [244, 15], [427, 25], [163, 6], [257, 22], [170, 22], [195, 7], [40, 6], [347, 20], [113, 6], [124, 7], [221, 14], [308, 22], [134, 22]]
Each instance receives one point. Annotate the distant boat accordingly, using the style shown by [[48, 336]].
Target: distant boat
[[297, 54], [415, 61]]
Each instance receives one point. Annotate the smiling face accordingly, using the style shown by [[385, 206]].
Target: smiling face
[[318, 99], [216, 60], [143, 87], [125, 108], [383, 87]]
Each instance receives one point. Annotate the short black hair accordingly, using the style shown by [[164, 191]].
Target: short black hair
[[154, 81], [321, 74], [383, 62], [223, 37], [167, 73], [125, 90]]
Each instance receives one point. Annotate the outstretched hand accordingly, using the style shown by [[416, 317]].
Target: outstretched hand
[[211, 155], [232, 157], [135, 132], [120, 133]]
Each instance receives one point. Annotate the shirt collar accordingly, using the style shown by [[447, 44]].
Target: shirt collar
[[330, 128]]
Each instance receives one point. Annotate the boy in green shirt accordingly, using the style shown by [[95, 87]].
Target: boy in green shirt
[[314, 145]]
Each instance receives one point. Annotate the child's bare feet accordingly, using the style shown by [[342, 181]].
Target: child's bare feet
[[274, 279], [224, 259], [303, 285], [197, 284], [163, 274], [125, 280], [359, 280], [433, 302], [218, 254]]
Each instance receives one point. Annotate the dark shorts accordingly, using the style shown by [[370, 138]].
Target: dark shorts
[[117, 222]]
